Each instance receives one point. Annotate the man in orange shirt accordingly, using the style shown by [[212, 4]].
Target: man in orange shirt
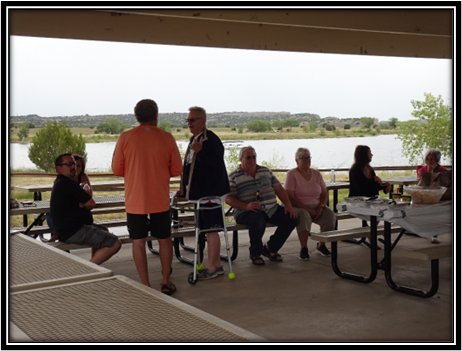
[[147, 156]]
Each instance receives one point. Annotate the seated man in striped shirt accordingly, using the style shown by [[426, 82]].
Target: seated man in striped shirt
[[253, 196]]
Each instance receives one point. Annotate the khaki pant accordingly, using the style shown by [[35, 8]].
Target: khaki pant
[[326, 221]]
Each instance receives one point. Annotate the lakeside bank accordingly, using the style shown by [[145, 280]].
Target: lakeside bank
[[183, 134]]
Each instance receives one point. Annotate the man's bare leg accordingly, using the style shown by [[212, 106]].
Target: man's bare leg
[[166, 257], [101, 255], [213, 251], [141, 261]]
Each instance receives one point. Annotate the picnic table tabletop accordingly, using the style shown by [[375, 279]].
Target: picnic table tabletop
[[34, 264], [48, 187], [401, 180], [31, 207], [97, 185]]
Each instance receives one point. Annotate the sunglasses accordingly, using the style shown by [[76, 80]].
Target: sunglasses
[[192, 120], [68, 164], [250, 157], [305, 158]]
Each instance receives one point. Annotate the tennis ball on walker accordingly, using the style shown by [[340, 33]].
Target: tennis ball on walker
[[200, 266], [231, 276]]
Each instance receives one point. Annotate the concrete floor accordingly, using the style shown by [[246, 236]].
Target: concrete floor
[[305, 302]]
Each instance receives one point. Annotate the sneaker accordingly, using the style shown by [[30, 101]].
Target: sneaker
[[304, 255], [323, 250], [435, 240], [204, 274], [220, 270]]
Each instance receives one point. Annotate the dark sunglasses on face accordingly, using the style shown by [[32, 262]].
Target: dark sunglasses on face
[[192, 120], [68, 164], [250, 157]]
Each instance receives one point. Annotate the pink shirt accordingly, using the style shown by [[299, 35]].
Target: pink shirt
[[308, 191], [424, 169]]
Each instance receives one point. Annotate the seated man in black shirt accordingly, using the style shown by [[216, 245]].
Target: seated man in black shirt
[[70, 207]]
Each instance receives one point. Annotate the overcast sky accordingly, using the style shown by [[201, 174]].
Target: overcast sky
[[58, 77]]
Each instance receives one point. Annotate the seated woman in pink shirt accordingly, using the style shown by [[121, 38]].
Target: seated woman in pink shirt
[[432, 164], [432, 160], [308, 195]]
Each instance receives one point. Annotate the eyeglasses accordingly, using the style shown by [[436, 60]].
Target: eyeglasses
[[250, 157], [305, 158], [192, 120], [68, 164]]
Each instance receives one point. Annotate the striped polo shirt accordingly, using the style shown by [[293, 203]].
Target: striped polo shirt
[[248, 189]]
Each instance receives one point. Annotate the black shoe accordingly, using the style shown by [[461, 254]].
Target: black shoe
[[304, 255], [323, 250]]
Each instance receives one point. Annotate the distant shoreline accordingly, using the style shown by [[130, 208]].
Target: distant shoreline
[[225, 134]]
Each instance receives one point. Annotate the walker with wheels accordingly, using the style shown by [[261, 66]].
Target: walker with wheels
[[219, 202]]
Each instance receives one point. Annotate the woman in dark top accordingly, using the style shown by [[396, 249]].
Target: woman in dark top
[[363, 181], [81, 176]]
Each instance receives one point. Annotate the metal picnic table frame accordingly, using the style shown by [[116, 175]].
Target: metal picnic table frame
[[386, 263]]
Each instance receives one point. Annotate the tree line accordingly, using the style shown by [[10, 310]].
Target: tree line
[[232, 119], [431, 128]]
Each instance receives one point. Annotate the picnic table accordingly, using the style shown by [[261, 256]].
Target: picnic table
[[400, 181], [34, 264], [38, 189], [114, 309], [58, 297], [109, 185], [42, 207], [424, 220]]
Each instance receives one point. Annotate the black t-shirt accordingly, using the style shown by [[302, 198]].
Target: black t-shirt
[[67, 215]]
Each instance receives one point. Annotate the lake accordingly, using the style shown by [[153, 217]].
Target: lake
[[326, 153]]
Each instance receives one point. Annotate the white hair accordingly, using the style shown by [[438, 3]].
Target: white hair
[[301, 151], [244, 149], [434, 152]]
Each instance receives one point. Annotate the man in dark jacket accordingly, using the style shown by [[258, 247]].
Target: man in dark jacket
[[204, 174]]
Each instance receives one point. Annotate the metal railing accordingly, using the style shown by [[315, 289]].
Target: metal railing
[[277, 170]]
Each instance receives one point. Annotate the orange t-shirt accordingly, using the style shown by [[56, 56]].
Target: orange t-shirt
[[146, 157]]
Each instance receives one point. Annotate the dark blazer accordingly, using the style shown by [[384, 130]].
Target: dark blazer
[[206, 175], [362, 186]]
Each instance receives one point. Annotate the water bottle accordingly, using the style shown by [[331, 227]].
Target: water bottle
[[332, 176], [86, 187]]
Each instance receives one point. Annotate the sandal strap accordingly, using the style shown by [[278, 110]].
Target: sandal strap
[[168, 289], [272, 256], [257, 260]]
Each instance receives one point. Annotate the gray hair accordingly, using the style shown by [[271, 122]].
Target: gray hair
[[300, 151], [434, 152], [244, 149], [198, 109]]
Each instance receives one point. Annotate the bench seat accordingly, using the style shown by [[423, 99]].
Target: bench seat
[[44, 229], [348, 234], [430, 253]]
